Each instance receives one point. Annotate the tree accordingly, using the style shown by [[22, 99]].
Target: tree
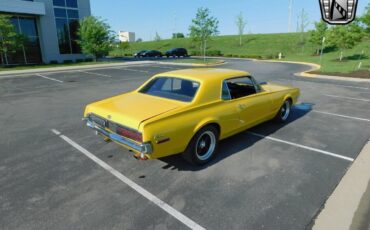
[[178, 35], [203, 27], [95, 37], [365, 19], [317, 35], [303, 18], [240, 23], [139, 40], [124, 45], [10, 41], [345, 37], [157, 37]]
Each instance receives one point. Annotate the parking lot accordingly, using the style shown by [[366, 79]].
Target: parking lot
[[270, 177]]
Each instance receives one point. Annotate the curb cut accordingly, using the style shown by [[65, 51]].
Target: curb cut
[[340, 208]]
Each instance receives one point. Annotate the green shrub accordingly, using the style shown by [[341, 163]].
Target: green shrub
[[195, 53], [53, 62], [214, 53], [88, 59], [254, 56], [67, 61], [79, 60]]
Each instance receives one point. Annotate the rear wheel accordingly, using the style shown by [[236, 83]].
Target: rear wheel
[[202, 146], [284, 112]]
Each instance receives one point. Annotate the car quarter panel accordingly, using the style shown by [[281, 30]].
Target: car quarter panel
[[179, 128]]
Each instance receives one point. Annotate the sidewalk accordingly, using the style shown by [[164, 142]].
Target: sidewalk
[[348, 207], [361, 219]]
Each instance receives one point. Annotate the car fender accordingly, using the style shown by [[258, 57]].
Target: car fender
[[205, 122]]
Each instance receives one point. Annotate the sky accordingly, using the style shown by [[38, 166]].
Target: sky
[[146, 17]]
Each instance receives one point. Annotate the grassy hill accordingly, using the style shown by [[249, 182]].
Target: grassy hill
[[266, 46]]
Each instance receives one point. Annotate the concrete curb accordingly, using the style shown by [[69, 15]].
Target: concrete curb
[[317, 67], [307, 72], [192, 64], [68, 68], [340, 208]]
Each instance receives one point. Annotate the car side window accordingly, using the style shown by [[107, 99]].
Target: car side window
[[225, 94], [241, 87]]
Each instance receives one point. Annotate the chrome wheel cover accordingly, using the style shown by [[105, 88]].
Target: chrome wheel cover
[[205, 145], [285, 111]]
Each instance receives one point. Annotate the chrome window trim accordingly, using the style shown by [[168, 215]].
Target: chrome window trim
[[228, 91], [254, 82]]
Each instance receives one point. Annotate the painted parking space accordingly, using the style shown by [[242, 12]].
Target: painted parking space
[[254, 178], [230, 181], [10, 86]]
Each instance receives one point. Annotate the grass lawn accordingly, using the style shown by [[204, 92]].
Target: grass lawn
[[268, 46], [27, 67]]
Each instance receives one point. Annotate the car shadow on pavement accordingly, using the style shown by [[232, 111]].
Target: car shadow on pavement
[[238, 142]]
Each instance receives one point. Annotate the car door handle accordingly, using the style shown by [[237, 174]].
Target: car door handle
[[242, 106]]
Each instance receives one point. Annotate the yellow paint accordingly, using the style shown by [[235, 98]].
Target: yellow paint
[[160, 118]]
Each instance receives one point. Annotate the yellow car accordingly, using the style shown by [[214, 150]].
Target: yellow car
[[188, 111]]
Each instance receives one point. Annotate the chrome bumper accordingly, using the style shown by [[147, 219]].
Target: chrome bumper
[[143, 148]]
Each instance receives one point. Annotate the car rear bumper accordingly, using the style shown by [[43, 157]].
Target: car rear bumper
[[142, 148]]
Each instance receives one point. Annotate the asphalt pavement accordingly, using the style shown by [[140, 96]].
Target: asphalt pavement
[[270, 177]]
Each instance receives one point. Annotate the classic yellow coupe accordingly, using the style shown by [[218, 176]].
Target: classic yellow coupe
[[188, 111]]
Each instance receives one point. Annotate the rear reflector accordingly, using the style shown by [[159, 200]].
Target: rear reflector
[[136, 136]]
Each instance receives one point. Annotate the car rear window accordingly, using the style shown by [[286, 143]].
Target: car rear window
[[171, 88]]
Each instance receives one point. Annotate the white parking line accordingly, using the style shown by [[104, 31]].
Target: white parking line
[[49, 78], [170, 210], [303, 147], [164, 67], [340, 115], [136, 70], [133, 70], [320, 83], [97, 74], [350, 98], [354, 87]]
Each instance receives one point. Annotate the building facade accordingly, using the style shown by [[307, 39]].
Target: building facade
[[126, 36], [50, 28]]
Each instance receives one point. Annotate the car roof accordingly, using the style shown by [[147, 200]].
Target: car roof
[[205, 74]]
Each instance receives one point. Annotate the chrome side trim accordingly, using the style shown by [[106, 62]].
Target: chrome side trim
[[145, 148]]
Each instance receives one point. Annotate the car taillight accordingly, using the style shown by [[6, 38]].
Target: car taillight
[[136, 136]]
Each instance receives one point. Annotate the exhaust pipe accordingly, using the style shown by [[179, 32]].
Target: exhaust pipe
[[140, 156]]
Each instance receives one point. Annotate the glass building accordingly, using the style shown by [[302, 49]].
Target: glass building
[[49, 28]]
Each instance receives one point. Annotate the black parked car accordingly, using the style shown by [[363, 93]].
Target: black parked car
[[140, 53], [152, 53], [177, 52]]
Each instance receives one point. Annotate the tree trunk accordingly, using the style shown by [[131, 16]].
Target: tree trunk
[[6, 59], [341, 56]]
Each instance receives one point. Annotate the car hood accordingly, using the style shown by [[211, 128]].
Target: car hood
[[131, 109], [272, 87]]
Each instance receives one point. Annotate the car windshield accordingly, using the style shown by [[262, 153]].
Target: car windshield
[[171, 88]]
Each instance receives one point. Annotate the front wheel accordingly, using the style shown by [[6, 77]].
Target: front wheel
[[284, 112], [202, 146]]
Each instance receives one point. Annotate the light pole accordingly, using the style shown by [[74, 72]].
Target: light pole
[[322, 48], [290, 16]]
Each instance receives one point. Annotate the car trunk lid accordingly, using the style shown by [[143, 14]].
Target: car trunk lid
[[132, 109]]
